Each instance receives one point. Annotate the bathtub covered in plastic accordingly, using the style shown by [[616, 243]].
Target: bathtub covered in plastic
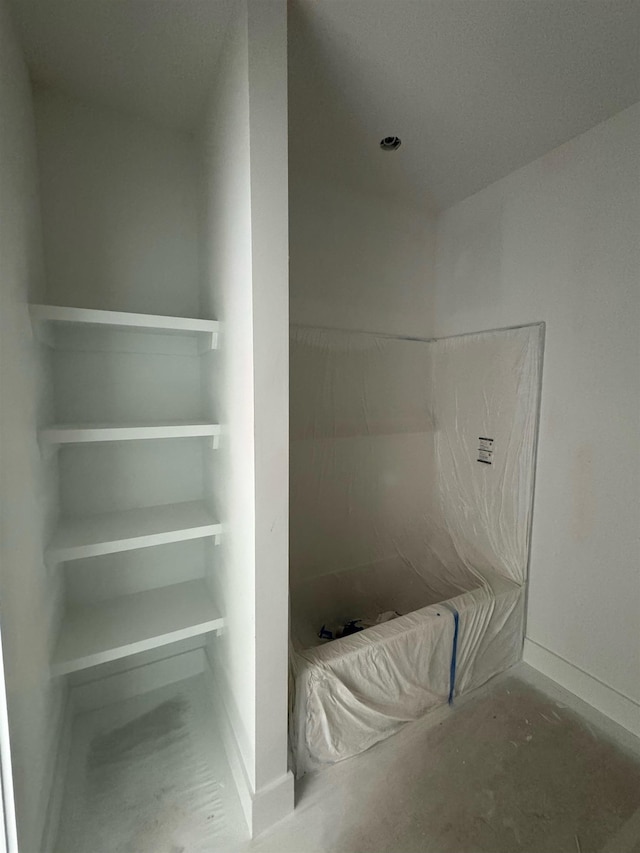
[[412, 466]]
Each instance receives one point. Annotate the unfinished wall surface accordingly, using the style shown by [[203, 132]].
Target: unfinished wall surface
[[558, 241], [244, 275], [358, 261], [28, 599], [119, 206]]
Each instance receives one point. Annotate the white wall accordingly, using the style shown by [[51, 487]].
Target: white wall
[[270, 269], [120, 223], [28, 601], [554, 241], [558, 241], [361, 452], [228, 377], [244, 265], [358, 261], [119, 206]]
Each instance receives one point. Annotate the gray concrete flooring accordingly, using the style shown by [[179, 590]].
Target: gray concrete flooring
[[509, 769], [520, 766]]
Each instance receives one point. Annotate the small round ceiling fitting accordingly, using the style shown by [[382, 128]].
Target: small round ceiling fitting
[[390, 143]]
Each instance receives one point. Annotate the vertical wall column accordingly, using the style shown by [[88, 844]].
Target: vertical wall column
[[245, 285], [270, 271]]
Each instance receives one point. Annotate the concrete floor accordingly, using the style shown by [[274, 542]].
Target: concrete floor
[[509, 769]]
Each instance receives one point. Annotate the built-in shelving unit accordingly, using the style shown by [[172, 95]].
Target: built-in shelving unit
[[44, 317], [85, 433], [99, 631], [134, 623], [144, 527]]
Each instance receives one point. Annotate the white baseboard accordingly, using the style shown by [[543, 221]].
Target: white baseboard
[[266, 806], [616, 706], [272, 803]]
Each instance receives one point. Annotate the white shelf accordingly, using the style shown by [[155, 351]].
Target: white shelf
[[83, 433], [135, 528], [43, 315], [134, 623]]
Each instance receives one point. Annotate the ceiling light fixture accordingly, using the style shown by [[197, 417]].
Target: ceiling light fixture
[[390, 143]]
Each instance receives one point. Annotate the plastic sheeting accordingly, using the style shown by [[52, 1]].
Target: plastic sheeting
[[391, 510], [355, 691], [149, 774]]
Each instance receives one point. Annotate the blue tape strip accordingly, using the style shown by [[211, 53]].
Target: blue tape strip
[[454, 654]]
